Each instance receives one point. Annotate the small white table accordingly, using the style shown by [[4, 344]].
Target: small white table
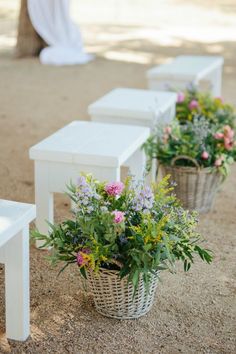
[[14, 253], [100, 149], [188, 69], [134, 107]]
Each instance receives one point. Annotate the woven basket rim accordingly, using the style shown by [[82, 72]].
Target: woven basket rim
[[189, 169], [114, 271], [102, 270]]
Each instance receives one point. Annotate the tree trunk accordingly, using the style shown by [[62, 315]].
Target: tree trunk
[[29, 43]]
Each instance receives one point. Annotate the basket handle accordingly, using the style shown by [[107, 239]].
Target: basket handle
[[119, 264], [185, 157]]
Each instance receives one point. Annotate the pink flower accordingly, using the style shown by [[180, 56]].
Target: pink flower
[[167, 129], [119, 216], [218, 162], [193, 105], [228, 132], [165, 138], [228, 144], [114, 188], [205, 155], [228, 137], [83, 257], [218, 136], [180, 97]]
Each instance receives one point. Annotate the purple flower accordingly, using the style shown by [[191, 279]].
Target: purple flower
[[104, 209], [90, 209], [143, 199], [123, 239], [193, 105], [83, 257], [81, 181], [180, 97], [84, 190], [114, 188], [85, 194], [119, 216]]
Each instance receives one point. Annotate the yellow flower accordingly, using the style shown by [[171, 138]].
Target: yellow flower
[[147, 238], [158, 237], [190, 117], [137, 229], [92, 262], [104, 259], [218, 102]]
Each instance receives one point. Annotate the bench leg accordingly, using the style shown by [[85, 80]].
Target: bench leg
[[216, 78], [17, 286], [43, 200], [152, 177], [137, 164], [2, 255]]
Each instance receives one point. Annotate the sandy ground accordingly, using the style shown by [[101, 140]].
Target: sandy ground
[[194, 312]]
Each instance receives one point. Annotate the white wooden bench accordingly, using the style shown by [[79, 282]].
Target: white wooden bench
[[201, 71], [134, 107], [100, 149], [14, 254]]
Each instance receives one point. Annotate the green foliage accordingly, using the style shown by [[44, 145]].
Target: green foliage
[[132, 228], [212, 108], [202, 130], [206, 144]]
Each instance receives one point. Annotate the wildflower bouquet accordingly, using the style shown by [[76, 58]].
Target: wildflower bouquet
[[197, 139], [192, 103], [132, 228], [197, 155]]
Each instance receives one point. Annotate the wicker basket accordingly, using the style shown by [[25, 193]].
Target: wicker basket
[[196, 187], [113, 297]]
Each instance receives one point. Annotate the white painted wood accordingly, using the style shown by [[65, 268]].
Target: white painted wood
[[216, 81], [14, 253], [17, 286], [137, 164], [2, 255], [43, 198], [134, 107], [90, 143], [13, 216], [81, 146], [186, 69]]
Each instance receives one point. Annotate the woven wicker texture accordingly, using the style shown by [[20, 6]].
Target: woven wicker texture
[[196, 188], [113, 297]]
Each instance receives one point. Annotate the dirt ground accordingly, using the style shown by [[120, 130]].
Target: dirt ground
[[192, 313]]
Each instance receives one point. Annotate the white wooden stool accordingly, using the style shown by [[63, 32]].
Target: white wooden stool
[[14, 253], [88, 147], [200, 71], [134, 107]]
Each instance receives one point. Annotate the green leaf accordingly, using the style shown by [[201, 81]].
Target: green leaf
[[83, 272], [147, 247]]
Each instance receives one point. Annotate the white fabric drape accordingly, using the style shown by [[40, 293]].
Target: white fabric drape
[[51, 20]]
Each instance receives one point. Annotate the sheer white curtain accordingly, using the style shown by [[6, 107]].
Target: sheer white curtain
[[51, 19]]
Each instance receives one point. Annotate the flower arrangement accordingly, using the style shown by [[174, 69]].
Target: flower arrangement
[[131, 227], [210, 145], [192, 103]]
